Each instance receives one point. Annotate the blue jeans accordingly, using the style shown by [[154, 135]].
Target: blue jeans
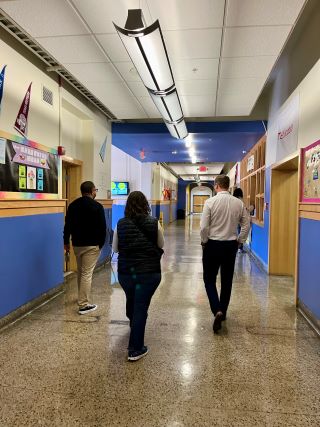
[[139, 289]]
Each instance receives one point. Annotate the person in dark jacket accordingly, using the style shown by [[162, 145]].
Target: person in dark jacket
[[86, 224], [139, 240]]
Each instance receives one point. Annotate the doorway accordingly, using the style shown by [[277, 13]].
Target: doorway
[[284, 218], [198, 203], [71, 181]]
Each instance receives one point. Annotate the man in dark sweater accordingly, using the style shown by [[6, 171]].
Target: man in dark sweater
[[86, 223]]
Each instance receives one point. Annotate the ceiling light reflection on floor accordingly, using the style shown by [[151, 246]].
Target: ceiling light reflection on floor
[[187, 369]]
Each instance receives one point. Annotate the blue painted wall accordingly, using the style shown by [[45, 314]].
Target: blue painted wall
[[182, 187], [117, 213], [166, 213], [309, 260], [106, 250], [260, 234], [31, 258]]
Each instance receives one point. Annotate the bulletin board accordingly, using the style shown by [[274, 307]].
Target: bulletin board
[[310, 174], [28, 170]]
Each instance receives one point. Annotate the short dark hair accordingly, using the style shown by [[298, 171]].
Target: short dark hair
[[238, 193], [87, 187], [137, 204], [223, 181]]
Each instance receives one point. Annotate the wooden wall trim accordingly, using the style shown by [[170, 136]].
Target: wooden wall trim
[[310, 215], [106, 203], [14, 208], [309, 207]]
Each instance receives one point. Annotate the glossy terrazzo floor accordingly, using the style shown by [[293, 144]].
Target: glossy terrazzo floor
[[263, 369]]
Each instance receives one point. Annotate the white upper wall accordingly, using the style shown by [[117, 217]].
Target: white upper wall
[[301, 111]]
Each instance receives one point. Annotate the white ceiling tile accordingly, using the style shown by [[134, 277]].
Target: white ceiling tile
[[254, 41], [114, 48], [129, 112], [192, 170], [187, 14], [192, 69], [243, 87], [236, 103], [233, 110], [188, 44], [262, 12], [42, 18], [196, 87], [77, 49], [117, 98], [128, 71], [97, 72], [138, 88], [149, 107], [100, 14], [254, 66], [197, 106]]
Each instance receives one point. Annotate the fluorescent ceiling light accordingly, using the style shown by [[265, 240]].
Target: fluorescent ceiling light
[[177, 129], [146, 48]]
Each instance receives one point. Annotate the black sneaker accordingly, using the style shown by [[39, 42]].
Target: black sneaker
[[134, 355], [217, 322], [87, 308]]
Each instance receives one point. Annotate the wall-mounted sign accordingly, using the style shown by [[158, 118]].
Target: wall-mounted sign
[[287, 129], [27, 169], [250, 163], [310, 174]]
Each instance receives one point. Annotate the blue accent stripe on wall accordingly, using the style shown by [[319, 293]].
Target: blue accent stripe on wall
[[309, 261], [31, 258]]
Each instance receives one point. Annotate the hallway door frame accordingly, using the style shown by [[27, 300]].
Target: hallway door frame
[[284, 218], [71, 182]]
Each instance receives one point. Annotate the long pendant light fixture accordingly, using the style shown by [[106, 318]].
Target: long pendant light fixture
[[146, 48]]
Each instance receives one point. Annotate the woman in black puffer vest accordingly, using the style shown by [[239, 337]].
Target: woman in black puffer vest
[[138, 238]]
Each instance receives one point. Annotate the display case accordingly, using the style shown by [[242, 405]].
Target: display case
[[252, 180]]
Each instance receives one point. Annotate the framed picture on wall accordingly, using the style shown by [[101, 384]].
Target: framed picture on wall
[[310, 173], [28, 170]]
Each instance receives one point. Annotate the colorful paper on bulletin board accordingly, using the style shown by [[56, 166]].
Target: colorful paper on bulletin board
[[310, 174], [28, 170]]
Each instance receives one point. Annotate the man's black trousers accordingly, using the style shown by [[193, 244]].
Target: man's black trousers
[[219, 254]]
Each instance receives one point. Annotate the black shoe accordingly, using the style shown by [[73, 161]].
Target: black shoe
[[87, 308], [134, 355], [224, 317], [217, 322]]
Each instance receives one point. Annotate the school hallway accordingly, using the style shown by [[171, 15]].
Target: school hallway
[[262, 369]]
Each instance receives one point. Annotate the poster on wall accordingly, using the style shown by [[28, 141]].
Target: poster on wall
[[310, 174], [27, 169]]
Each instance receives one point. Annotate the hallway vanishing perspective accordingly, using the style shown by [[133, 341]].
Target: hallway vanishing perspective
[[61, 369]]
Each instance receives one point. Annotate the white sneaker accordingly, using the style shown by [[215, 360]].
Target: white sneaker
[[87, 308]]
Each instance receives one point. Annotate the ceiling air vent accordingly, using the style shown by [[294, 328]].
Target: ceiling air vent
[[47, 95]]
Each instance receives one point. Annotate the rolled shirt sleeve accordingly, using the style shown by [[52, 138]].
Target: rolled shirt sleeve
[[115, 241], [205, 223], [160, 240], [245, 225]]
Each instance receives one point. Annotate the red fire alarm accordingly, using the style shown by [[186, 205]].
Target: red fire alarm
[[61, 150]]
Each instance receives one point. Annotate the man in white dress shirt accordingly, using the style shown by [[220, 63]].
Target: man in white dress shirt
[[219, 238]]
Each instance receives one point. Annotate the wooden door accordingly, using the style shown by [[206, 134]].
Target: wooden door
[[198, 203], [283, 222], [71, 181]]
